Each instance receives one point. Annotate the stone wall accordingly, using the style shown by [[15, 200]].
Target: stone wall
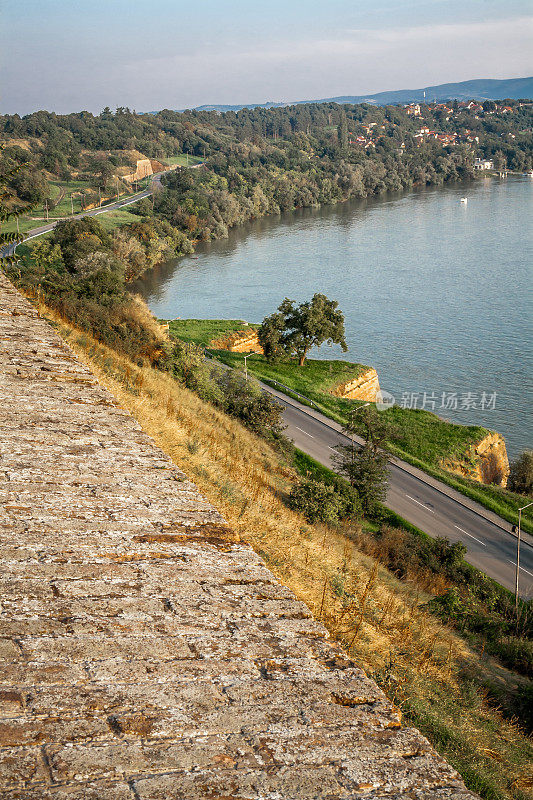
[[145, 652], [364, 387], [487, 462], [245, 341]]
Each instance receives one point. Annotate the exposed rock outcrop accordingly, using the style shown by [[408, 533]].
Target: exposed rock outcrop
[[145, 167], [364, 387], [487, 462], [245, 341]]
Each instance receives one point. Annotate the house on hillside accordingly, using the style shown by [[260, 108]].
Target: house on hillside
[[481, 164]]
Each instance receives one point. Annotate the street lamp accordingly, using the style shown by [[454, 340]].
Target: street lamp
[[518, 552], [246, 367]]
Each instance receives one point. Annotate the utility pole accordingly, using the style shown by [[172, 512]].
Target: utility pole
[[118, 194], [71, 204], [246, 368], [99, 198], [46, 206], [518, 557]]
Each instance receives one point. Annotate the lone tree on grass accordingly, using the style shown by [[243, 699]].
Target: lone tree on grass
[[294, 329]]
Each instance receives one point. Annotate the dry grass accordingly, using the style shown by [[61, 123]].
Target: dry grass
[[380, 621]]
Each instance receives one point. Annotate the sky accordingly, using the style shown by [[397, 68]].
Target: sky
[[67, 55]]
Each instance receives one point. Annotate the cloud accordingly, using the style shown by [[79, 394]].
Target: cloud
[[356, 61]]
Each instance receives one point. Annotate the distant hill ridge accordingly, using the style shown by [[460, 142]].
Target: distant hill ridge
[[482, 89]]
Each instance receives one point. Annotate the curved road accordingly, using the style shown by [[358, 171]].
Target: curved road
[[94, 212], [424, 501]]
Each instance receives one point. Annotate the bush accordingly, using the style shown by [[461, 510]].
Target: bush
[[521, 474], [317, 502]]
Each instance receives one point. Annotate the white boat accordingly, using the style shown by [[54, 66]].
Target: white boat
[[464, 199]]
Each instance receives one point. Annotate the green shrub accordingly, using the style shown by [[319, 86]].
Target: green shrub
[[317, 502]]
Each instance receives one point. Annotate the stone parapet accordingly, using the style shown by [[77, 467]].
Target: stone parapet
[[145, 652]]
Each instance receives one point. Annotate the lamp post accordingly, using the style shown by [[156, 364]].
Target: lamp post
[[246, 367], [518, 554]]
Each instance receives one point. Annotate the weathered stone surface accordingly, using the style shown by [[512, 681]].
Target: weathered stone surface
[[243, 341], [486, 462], [364, 387], [145, 652]]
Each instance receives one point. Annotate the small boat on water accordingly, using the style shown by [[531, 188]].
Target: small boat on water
[[464, 199]]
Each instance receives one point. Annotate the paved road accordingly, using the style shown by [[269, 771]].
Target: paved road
[[425, 502], [94, 212]]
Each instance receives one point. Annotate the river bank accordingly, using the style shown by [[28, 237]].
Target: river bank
[[432, 291]]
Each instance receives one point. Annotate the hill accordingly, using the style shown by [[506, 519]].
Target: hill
[[482, 89]]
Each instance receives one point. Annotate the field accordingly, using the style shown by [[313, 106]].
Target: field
[[203, 331], [114, 219], [60, 193], [183, 160]]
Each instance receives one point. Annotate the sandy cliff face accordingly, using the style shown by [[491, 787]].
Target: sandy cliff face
[[245, 341], [365, 387], [486, 463]]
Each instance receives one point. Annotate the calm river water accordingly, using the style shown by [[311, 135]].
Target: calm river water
[[435, 292]]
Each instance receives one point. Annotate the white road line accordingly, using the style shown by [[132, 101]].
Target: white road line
[[522, 568], [302, 430], [469, 534], [333, 448], [420, 504]]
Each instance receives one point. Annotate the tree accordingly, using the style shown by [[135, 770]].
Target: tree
[[10, 208], [270, 336], [295, 329], [366, 467], [521, 474], [343, 132]]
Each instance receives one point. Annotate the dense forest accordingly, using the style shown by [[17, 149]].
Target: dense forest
[[260, 161]]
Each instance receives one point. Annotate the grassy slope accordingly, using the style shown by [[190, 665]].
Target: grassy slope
[[418, 661], [202, 331], [115, 219], [58, 189], [181, 160], [423, 440]]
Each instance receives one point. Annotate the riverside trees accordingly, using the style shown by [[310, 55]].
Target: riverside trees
[[294, 329]]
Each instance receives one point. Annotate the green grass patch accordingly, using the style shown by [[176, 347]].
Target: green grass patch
[[183, 160], [203, 331], [315, 379], [114, 219]]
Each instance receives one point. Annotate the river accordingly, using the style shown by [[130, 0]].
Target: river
[[435, 292]]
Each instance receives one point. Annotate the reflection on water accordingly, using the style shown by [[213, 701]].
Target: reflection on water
[[434, 292]]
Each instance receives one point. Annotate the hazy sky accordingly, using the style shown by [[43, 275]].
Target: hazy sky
[[68, 55]]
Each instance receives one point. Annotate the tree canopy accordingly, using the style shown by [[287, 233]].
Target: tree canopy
[[294, 329]]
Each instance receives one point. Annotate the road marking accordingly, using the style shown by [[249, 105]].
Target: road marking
[[469, 534], [302, 430], [522, 568], [333, 448], [420, 504]]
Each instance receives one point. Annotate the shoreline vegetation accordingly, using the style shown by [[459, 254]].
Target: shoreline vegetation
[[425, 440]]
